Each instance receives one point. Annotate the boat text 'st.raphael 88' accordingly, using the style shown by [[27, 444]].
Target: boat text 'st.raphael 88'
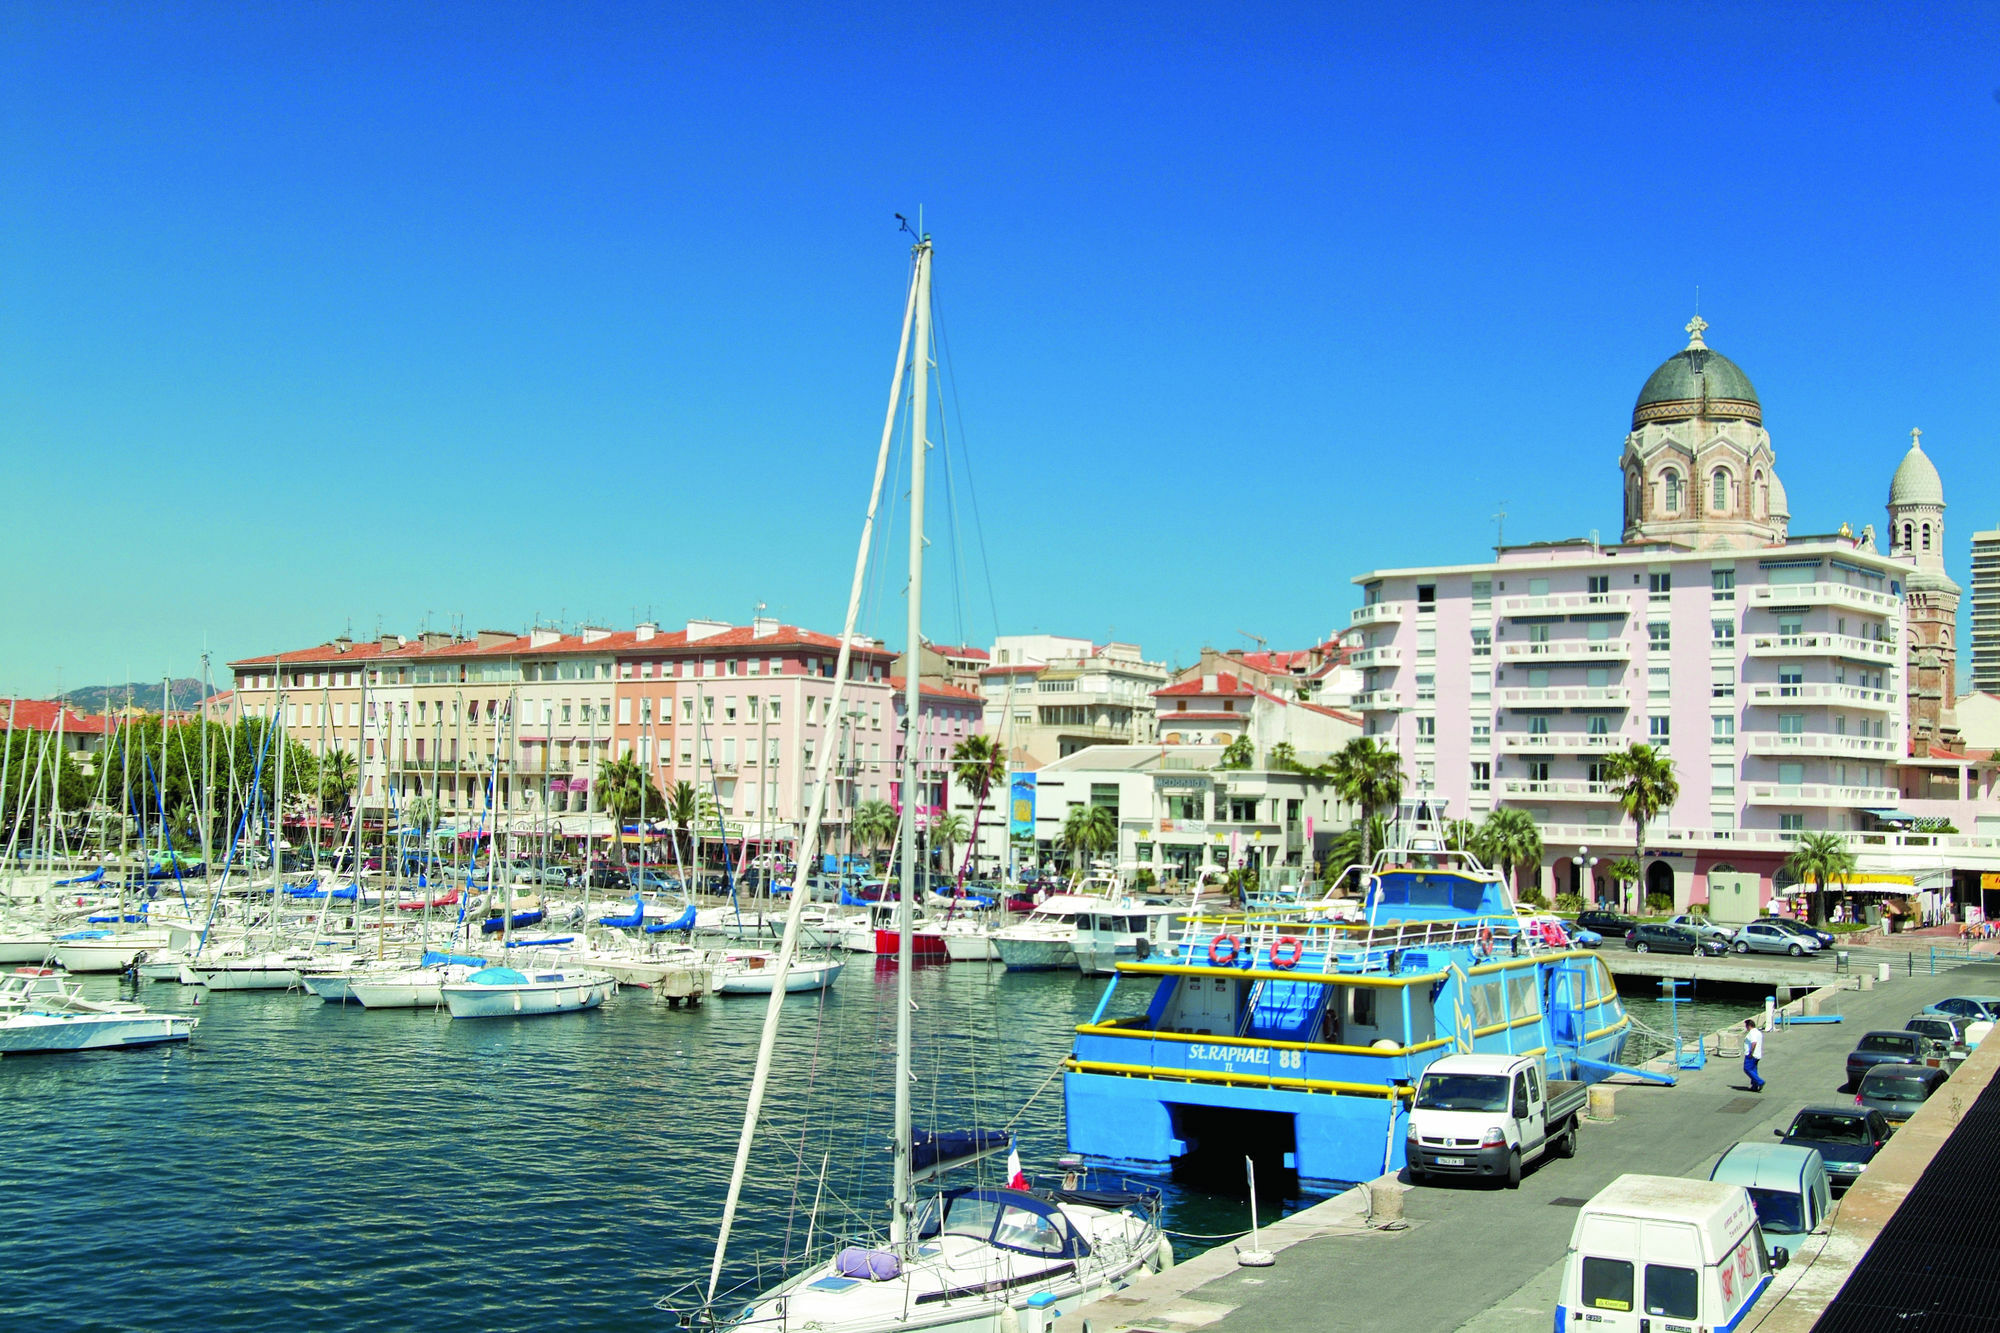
[[1307, 1034]]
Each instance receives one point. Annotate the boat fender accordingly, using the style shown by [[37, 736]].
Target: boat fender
[[1142, 949], [1223, 949], [1163, 1256], [1286, 951], [1008, 1321]]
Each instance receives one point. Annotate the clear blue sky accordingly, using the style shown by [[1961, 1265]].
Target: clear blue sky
[[319, 314]]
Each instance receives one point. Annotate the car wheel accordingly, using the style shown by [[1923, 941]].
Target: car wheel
[[1514, 1170], [1566, 1144], [1742, 946], [1795, 951], [1643, 947]]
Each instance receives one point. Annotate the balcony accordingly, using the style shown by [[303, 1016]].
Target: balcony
[[1818, 644], [1567, 650], [1567, 696], [1565, 603], [1560, 742], [1841, 696], [1388, 655], [1377, 701], [1378, 613], [1821, 743], [1818, 794], [1826, 594], [1522, 788]]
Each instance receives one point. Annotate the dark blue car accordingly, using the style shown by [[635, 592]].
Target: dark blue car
[[1848, 1137]]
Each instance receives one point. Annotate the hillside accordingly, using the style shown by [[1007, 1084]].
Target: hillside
[[185, 693]]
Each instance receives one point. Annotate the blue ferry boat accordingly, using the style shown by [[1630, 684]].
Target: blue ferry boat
[[1299, 1037]]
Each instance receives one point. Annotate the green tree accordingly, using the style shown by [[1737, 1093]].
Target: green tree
[[1643, 779], [978, 765], [1368, 776], [1284, 758], [946, 832], [1462, 835], [1510, 838], [1088, 830], [1824, 859], [626, 791], [1623, 872], [874, 825], [337, 780], [1239, 754], [1351, 844], [689, 808]]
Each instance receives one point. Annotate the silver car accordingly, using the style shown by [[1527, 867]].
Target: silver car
[[1763, 937], [1703, 927]]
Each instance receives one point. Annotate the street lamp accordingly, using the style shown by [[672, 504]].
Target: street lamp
[[1589, 876]]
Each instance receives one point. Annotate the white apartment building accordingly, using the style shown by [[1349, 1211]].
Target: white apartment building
[[1041, 708]]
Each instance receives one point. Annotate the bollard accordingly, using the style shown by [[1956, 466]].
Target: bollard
[[1602, 1103], [1867, 982], [1770, 1012], [1881, 971], [1385, 1202]]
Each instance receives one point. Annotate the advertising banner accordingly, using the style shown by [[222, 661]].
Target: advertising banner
[[1021, 806]]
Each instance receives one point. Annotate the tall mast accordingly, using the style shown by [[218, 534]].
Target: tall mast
[[278, 803], [904, 1201], [207, 803]]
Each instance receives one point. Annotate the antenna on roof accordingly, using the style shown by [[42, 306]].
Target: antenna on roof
[[1500, 529]]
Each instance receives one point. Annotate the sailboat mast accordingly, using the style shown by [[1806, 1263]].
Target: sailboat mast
[[904, 1201]]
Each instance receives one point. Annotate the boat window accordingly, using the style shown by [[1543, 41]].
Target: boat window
[[1363, 1006], [1524, 996], [1022, 1230], [1607, 1284], [1671, 1293], [1462, 1092], [971, 1217]]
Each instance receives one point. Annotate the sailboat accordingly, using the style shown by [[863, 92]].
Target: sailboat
[[971, 1258]]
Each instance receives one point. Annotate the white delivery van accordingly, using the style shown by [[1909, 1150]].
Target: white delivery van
[[1658, 1254]]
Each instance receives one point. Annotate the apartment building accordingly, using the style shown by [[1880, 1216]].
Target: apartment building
[[1048, 696], [1220, 707], [1986, 611]]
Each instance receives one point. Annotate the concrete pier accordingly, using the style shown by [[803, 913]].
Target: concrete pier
[[1489, 1260]]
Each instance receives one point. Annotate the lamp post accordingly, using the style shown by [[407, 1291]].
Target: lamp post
[[1588, 876]]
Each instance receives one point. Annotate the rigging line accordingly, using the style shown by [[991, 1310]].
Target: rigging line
[[950, 491], [1053, 1073], [971, 483]]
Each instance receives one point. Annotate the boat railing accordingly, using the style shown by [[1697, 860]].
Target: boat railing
[[1326, 947]]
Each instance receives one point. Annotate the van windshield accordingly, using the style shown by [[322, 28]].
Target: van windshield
[[1462, 1092], [1777, 1211]]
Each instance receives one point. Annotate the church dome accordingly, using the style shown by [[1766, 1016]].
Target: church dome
[[1916, 481], [1697, 382]]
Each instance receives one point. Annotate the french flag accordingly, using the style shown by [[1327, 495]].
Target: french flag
[[1016, 1178]]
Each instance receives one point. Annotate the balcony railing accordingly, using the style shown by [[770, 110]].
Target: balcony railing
[[1826, 594], [1560, 650], [1378, 701], [1818, 794], [1388, 654], [1564, 603], [1822, 645], [1567, 696], [1560, 741], [1559, 790], [1378, 613], [1821, 742], [1846, 696]]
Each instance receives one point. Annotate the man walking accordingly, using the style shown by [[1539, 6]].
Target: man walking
[[1753, 1051]]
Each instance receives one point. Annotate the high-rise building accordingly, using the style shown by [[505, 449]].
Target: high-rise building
[[1986, 611]]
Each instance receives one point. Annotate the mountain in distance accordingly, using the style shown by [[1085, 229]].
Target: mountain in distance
[[183, 693]]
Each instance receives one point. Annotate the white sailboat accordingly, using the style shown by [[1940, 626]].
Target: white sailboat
[[973, 1258]]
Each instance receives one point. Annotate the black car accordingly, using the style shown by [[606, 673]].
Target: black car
[[1848, 1137], [1657, 937], [1898, 1090], [1885, 1048], [1611, 925]]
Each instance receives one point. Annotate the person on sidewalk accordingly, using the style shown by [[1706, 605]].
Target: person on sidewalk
[[1753, 1051]]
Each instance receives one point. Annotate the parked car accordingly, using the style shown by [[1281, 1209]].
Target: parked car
[[1702, 926], [1898, 1090], [655, 881], [1766, 937], [1805, 932], [1789, 1185], [1656, 937], [1947, 1031], [1846, 1137], [1884, 1048], [1974, 1008], [1611, 925]]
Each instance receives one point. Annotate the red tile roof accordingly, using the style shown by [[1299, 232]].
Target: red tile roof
[[1226, 685], [960, 650], [40, 715], [938, 690], [618, 643]]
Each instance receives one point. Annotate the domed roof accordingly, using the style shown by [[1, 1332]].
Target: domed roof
[[1697, 382], [1916, 481]]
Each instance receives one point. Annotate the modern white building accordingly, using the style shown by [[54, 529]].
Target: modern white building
[[1039, 708], [1986, 611]]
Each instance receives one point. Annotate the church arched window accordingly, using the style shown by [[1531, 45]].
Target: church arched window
[[1719, 497], [1906, 536], [1927, 536], [1763, 496], [1670, 484]]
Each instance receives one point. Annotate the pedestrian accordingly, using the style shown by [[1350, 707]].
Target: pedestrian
[[1753, 1051]]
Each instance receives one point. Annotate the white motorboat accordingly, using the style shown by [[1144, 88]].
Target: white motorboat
[[966, 939], [26, 944], [259, 971], [105, 950], [26, 985], [506, 992], [1046, 938], [67, 1022], [733, 923], [405, 987], [1125, 932], [751, 972]]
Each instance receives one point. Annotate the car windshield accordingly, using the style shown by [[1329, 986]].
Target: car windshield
[[1827, 1128], [1462, 1092], [1777, 1211]]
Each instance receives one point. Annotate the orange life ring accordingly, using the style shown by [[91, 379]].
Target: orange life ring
[[1217, 956], [1486, 941], [1286, 951]]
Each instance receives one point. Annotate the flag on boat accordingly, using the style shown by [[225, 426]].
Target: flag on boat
[[1016, 1178]]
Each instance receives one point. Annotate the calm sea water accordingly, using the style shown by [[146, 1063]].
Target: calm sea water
[[309, 1166]]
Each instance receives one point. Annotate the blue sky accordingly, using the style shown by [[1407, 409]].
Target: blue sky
[[324, 315]]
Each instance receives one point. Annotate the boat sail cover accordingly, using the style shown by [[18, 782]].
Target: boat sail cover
[[685, 921], [934, 1153], [635, 917]]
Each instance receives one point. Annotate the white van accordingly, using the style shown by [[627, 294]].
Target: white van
[[1658, 1254]]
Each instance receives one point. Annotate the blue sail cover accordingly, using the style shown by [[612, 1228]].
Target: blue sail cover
[[685, 921], [934, 1152], [498, 976], [494, 925], [92, 878], [636, 916], [131, 919]]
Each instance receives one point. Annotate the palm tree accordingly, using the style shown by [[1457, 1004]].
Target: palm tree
[[1509, 836], [874, 824], [1624, 871], [1284, 758], [1643, 780], [1367, 775], [625, 790], [1347, 847], [687, 808], [336, 779], [421, 812], [1240, 754], [1087, 832], [1462, 835], [1822, 858], [978, 765], [947, 832]]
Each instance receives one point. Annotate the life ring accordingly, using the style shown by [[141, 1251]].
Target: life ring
[[1486, 941], [1286, 951], [1215, 950]]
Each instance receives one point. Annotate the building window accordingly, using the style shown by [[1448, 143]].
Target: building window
[[1597, 631], [1722, 726], [1789, 682], [1927, 536], [1722, 682], [1791, 775], [1659, 636], [1659, 680], [1791, 823], [1427, 728], [1722, 584], [1791, 724], [1724, 632], [1482, 776], [1482, 730], [1719, 487], [1538, 771], [1538, 678], [1660, 586], [1671, 485], [1597, 724], [1657, 729], [1426, 596], [1538, 634], [1538, 724], [1482, 594], [1722, 777], [1538, 587], [1600, 585], [1427, 642], [1426, 686], [1482, 642]]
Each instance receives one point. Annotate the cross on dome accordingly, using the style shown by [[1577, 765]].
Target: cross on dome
[[1694, 328], [1916, 437]]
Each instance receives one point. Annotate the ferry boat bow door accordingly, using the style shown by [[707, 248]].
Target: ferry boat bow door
[[1569, 989]]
